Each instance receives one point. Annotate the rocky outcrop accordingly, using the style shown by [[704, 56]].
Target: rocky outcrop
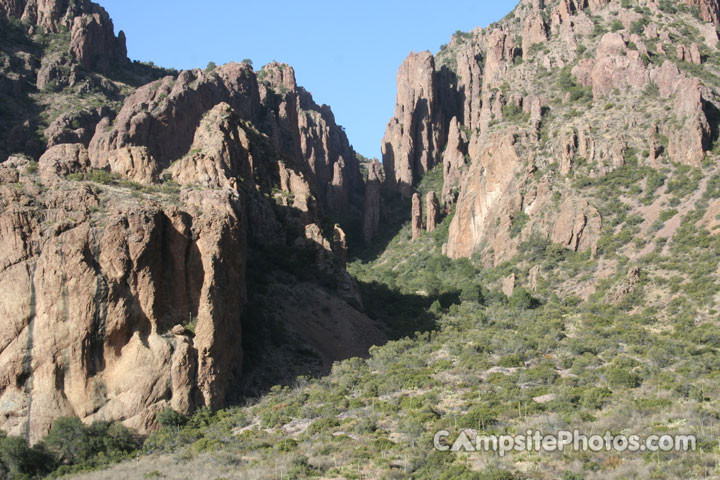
[[416, 217], [416, 134], [534, 32], [160, 121], [163, 116], [454, 162], [93, 43], [709, 9], [89, 306], [75, 127], [64, 159], [687, 144], [220, 152], [372, 202], [508, 284], [616, 66], [489, 178], [578, 226], [432, 211], [689, 54], [308, 132]]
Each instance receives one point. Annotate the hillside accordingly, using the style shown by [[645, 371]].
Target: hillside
[[540, 245]]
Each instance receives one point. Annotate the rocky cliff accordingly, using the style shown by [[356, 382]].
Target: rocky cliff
[[93, 43], [124, 273], [517, 112]]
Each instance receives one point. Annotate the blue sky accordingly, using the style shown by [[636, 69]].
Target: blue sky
[[345, 53]]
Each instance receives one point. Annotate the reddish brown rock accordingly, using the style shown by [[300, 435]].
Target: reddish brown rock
[[75, 127], [93, 43], [416, 134], [163, 116], [86, 311], [534, 32], [489, 178], [432, 211], [416, 218], [219, 154], [470, 73], [454, 162], [617, 67], [372, 203], [689, 54], [64, 159], [709, 9], [578, 226], [308, 133]]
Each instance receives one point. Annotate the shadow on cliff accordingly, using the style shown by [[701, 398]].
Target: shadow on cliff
[[396, 212], [300, 319]]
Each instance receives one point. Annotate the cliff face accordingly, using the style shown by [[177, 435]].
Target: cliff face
[[156, 126], [96, 286], [123, 272], [555, 91], [415, 135]]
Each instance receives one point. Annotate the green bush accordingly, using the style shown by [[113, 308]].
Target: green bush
[[522, 300], [75, 443], [171, 419], [18, 460]]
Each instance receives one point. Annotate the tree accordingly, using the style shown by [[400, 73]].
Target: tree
[[18, 460], [69, 440], [522, 300], [472, 293]]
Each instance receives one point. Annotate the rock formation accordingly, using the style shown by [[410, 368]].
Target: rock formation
[[371, 204], [157, 124], [709, 9], [125, 249], [92, 41], [502, 89], [416, 219], [454, 162], [92, 337], [415, 135], [432, 211]]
